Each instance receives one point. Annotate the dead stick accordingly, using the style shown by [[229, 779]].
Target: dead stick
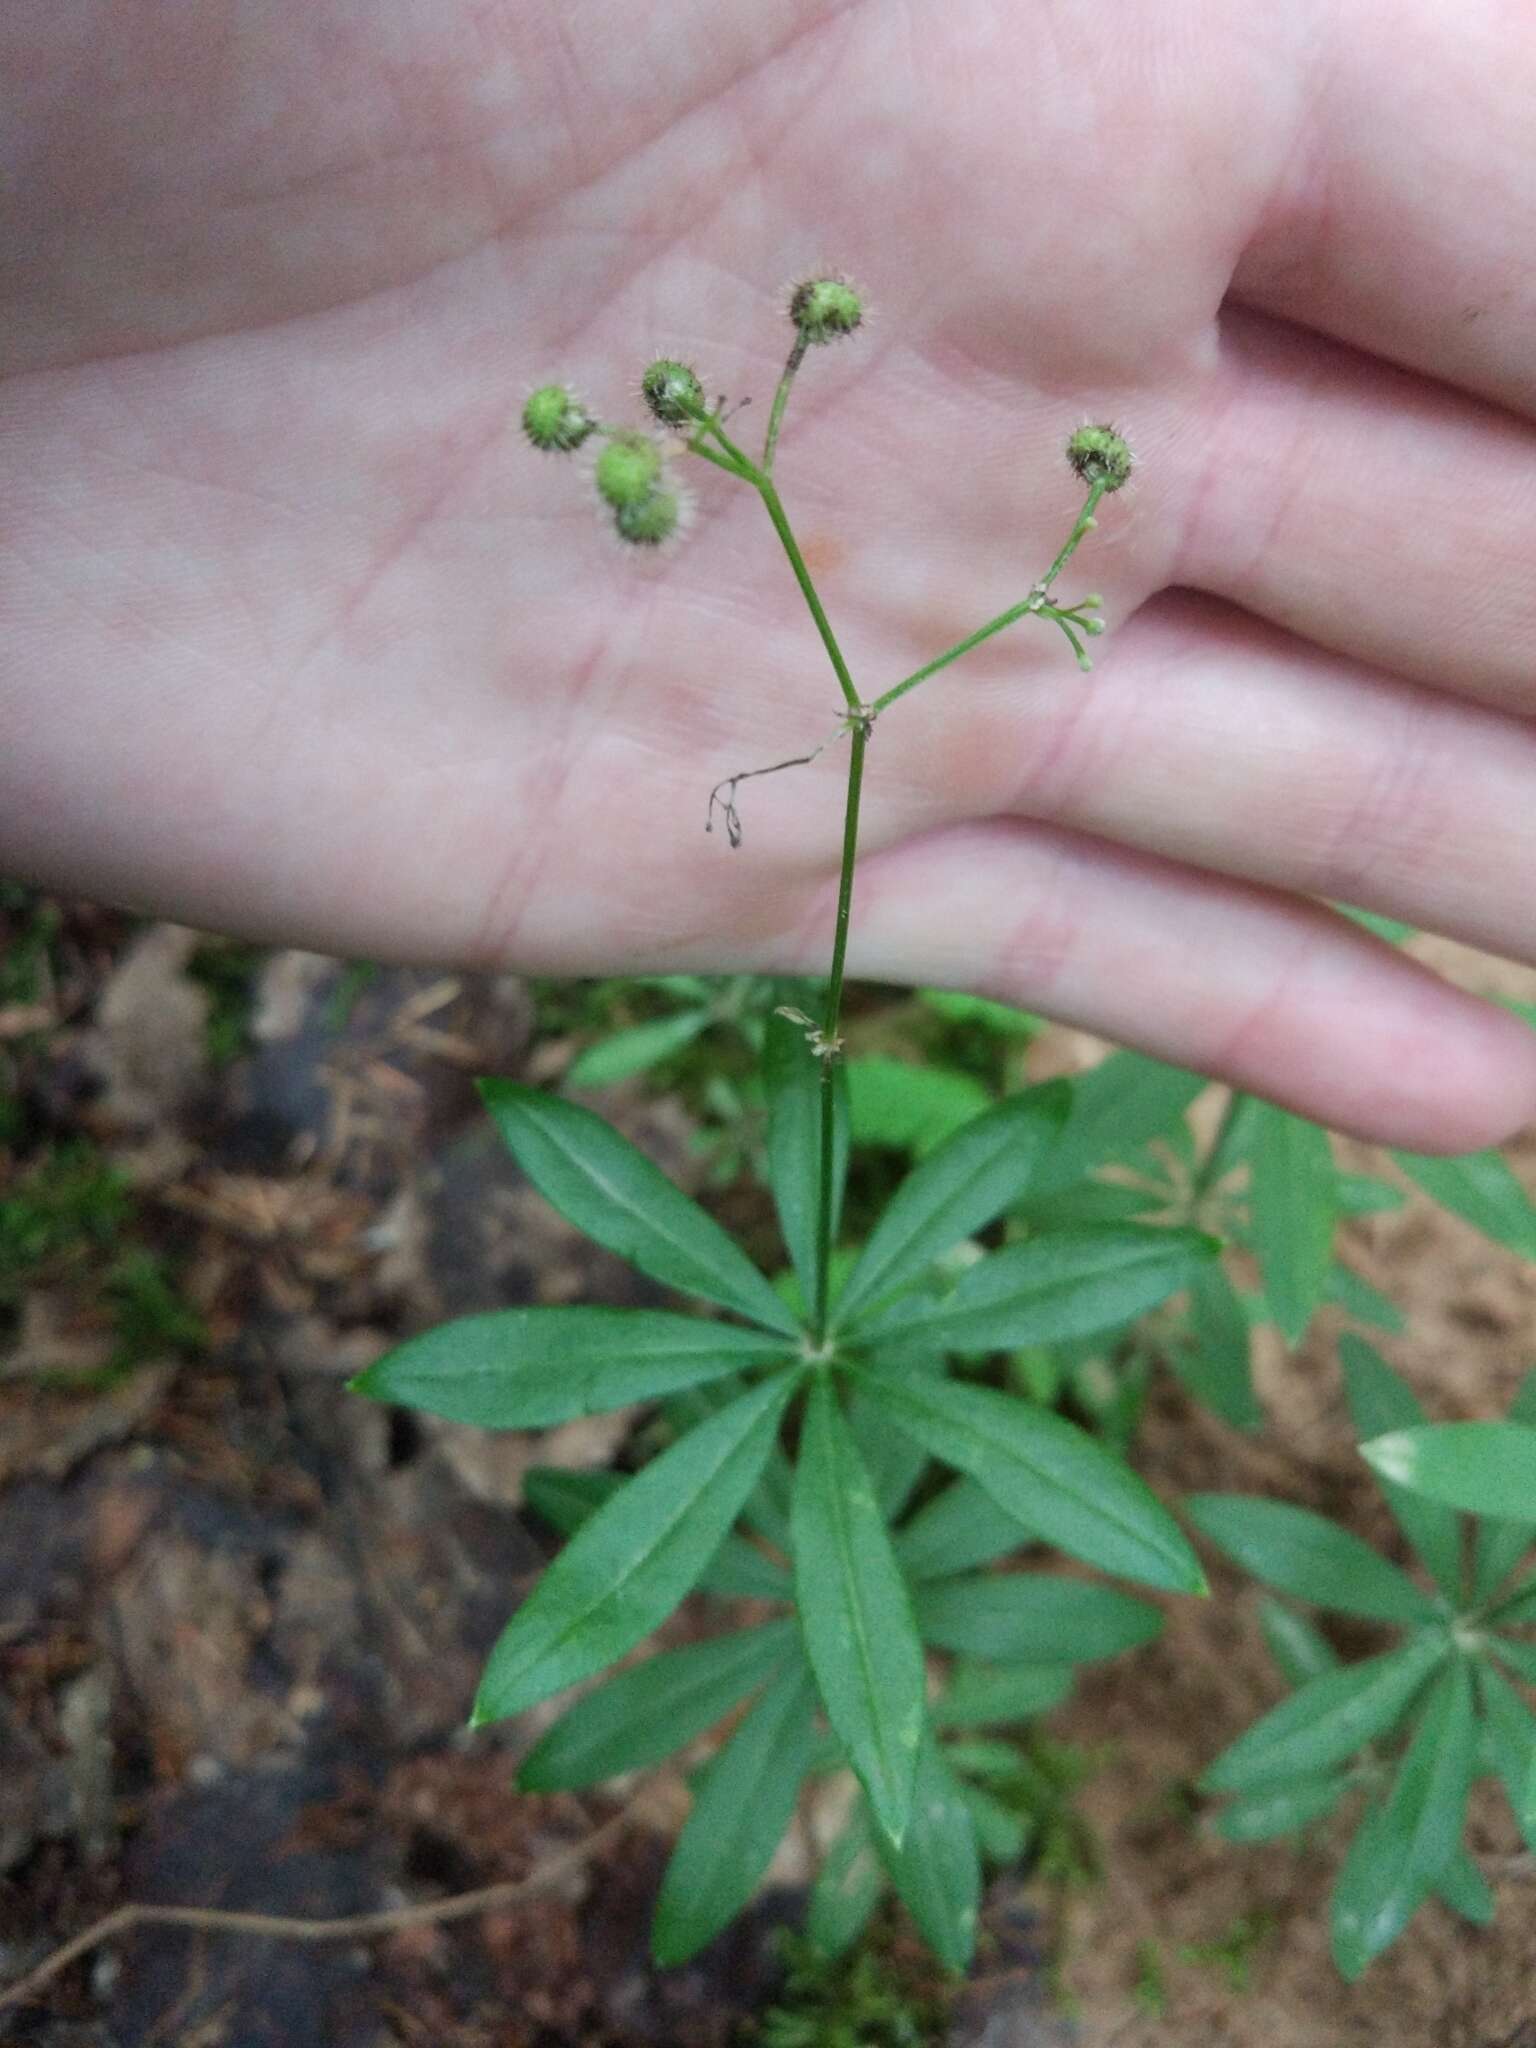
[[355, 1927]]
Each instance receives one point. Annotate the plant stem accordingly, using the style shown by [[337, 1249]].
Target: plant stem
[[709, 423], [725, 462], [831, 1021], [791, 548], [780, 400], [1069, 547], [859, 726], [931, 668], [1033, 603]]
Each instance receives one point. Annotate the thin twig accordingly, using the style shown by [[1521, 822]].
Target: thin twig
[[354, 1927], [727, 803]]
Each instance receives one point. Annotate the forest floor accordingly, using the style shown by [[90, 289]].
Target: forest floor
[[242, 1611]]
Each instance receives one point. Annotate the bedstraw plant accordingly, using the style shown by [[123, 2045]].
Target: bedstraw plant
[[812, 1427], [855, 1447]]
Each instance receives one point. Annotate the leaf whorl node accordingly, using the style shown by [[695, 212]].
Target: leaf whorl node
[[555, 419], [1100, 455], [825, 308], [673, 392], [628, 470]]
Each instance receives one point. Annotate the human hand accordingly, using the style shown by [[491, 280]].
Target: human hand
[[301, 640]]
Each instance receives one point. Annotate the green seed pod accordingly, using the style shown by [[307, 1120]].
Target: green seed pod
[[650, 520], [670, 388], [825, 308], [628, 469], [555, 420], [1100, 455]]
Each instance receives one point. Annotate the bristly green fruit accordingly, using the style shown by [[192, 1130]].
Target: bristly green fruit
[[628, 470], [555, 419], [1100, 455], [825, 308], [673, 392], [654, 520]]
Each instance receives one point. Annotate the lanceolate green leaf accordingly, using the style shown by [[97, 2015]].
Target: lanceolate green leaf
[[1357, 1298], [624, 1053], [962, 1186], [1000, 1834], [646, 1713], [610, 1190], [1297, 1648], [1215, 1365], [1428, 1802], [855, 1612], [1379, 1402], [1500, 1545], [1484, 1468], [1519, 1657], [1293, 1203], [997, 1018], [567, 1499], [1280, 1809], [1517, 1609], [1417, 1832], [895, 1463], [743, 1800], [737, 1571], [1116, 1106], [1370, 1908], [1465, 1890], [1326, 1720], [1363, 1194], [847, 1888], [767, 1508], [893, 1103], [526, 1368], [1033, 1617], [990, 1696], [1392, 929], [1482, 1189], [1308, 1557], [1061, 1484], [792, 1074], [959, 1528], [1065, 1283], [1510, 1730], [627, 1568], [937, 1869]]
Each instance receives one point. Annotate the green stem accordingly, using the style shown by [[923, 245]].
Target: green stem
[[780, 400], [859, 728], [931, 668], [791, 548], [831, 1021], [1031, 604], [1069, 547], [725, 462], [745, 466]]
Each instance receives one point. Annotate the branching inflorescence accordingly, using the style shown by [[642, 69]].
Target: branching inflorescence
[[648, 507]]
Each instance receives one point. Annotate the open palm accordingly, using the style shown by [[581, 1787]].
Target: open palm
[[302, 640]]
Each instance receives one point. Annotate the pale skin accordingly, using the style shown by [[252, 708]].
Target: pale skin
[[300, 639]]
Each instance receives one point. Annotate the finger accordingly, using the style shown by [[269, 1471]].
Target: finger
[[1261, 991], [1211, 738], [1407, 215], [1369, 510]]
